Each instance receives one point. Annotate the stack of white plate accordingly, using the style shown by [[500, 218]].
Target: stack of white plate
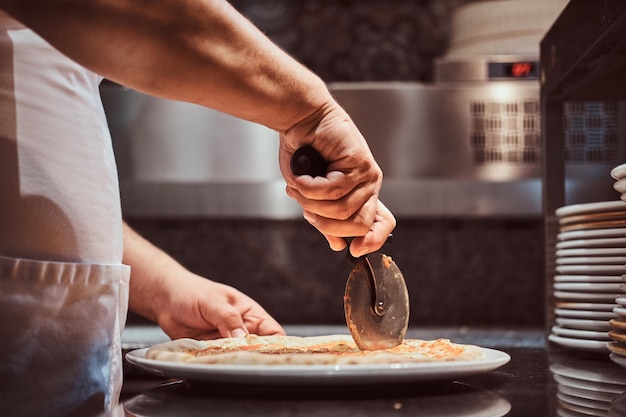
[[618, 333], [619, 174], [587, 389], [618, 324], [590, 263]]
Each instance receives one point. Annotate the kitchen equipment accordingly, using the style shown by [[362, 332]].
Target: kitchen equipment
[[376, 300], [583, 58]]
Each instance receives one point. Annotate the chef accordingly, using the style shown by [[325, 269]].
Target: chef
[[69, 266]]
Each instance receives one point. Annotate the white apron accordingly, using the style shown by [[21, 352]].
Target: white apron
[[63, 288]]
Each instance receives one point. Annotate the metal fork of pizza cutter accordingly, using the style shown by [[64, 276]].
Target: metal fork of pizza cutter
[[376, 300]]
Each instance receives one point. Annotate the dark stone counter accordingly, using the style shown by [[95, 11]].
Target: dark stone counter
[[527, 386]]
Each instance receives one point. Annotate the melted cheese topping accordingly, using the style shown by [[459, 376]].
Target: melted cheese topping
[[436, 349]]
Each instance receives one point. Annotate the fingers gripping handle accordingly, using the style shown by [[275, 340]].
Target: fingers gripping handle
[[307, 161]]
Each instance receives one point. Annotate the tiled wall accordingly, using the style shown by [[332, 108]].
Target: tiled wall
[[357, 40], [459, 272]]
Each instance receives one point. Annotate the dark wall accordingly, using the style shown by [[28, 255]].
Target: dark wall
[[357, 40], [459, 272]]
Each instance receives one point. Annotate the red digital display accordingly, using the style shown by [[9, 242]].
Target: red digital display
[[525, 70], [521, 69]]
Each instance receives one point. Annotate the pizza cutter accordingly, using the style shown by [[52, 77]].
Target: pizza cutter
[[376, 300]]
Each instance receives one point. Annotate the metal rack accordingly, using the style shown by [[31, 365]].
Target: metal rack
[[583, 105]]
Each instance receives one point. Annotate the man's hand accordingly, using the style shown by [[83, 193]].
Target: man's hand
[[345, 202], [204, 309]]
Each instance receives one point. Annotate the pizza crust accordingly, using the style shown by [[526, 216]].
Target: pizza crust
[[316, 350]]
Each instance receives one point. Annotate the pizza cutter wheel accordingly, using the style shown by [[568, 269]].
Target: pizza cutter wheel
[[376, 303], [376, 300]]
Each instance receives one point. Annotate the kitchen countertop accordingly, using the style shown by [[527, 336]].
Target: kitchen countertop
[[526, 386]]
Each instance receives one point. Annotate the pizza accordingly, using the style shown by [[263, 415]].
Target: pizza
[[316, 350]]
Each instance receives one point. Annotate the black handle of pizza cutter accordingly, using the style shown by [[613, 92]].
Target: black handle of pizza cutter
[[307, 161]]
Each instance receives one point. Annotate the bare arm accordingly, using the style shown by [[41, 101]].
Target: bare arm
[[203, 51]]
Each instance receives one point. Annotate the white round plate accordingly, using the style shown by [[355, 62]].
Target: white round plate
[[618, 359], [592, 220], [592, 234], [586, 296], [591, 345], [601, 406], [620, 311], [326, 374], [585, 393], [561, 412], [580, 334], [591, 269], [616, 279], [572, 382], [586, 306], [589, 287], [614, 242], [598, 207], [581, 411], [617, 324], [591, 252], [619, 172], [599, 225], [592, 260], [620, 185], [621, 300], [582, 324], [601, 372], [619, 405], [616, 347], [584, 314]]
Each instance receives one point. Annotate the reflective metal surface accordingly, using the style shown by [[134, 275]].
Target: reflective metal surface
[[581, 69], [177, 159]]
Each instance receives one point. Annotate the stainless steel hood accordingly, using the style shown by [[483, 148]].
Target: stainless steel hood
[[446, 149], [177, 159]]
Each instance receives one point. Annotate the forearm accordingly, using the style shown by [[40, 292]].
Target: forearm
[[200, 51], [151, 269], [185, 304]]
